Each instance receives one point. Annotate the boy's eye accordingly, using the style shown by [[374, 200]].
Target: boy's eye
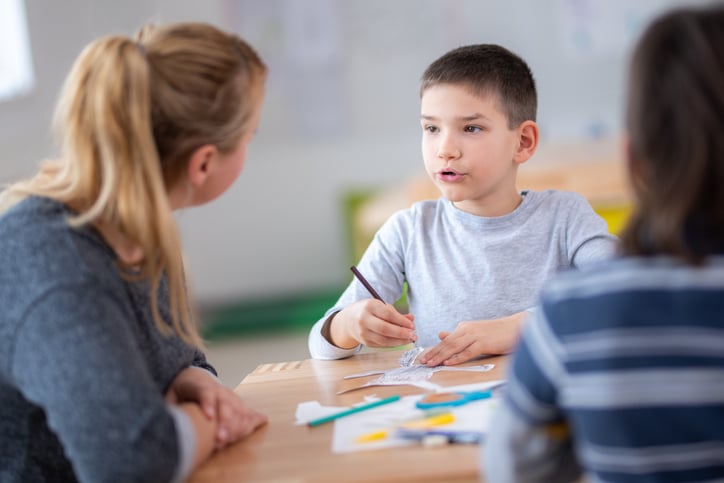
[[473, 129]]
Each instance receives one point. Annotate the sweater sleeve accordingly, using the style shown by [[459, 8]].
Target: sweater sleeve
[[201, 362], [528, 440], [383, 266], [76, 358]]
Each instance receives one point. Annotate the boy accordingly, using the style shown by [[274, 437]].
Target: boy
[[475, 259]]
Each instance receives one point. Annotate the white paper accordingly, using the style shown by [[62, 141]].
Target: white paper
[[473, 416], [310, 410]]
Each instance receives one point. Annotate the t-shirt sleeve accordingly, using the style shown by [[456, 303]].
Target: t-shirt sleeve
[[321, 348], [587, 235], [75, 356], [382, 265]]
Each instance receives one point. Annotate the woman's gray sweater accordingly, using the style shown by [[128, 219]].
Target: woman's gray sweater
[[83, 368]]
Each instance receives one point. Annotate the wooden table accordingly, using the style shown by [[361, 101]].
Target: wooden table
[[284, 452]]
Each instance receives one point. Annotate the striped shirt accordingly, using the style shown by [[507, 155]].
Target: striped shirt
[[620, 376]]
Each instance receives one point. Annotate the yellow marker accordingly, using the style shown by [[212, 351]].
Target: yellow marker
[[373, 436], [437, 420]]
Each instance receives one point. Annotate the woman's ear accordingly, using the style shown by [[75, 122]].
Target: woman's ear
[[527, 141], [201, 165], [191, 186]]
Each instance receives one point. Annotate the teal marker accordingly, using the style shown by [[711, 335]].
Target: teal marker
[[356, 409]]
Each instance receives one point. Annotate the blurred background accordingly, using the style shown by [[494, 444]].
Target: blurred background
[[338, 148]]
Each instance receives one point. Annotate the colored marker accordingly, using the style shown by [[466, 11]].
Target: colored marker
[[354, 410]]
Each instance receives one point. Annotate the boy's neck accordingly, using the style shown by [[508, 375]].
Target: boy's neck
[[490, 208]]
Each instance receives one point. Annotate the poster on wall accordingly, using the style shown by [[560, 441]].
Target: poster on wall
[[605, 27]]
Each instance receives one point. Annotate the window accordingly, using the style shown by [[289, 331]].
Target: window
[[16, 68]]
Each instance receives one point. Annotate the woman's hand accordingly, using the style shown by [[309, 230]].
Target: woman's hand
[[473, 339], [234, 419]]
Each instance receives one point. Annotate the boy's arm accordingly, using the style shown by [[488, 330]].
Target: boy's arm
[[382, 265], [320, 341], [372, 323], [475, 338], [587, 236], [369, 322]]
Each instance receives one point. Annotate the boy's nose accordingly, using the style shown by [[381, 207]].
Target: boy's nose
[[447, 149]]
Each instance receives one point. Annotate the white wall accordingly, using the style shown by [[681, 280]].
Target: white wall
[[341, 109]]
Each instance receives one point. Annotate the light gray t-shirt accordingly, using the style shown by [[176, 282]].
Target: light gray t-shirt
[[461, 267]]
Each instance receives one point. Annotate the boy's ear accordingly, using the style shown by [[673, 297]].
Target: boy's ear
[[527, 141], [201, 164]]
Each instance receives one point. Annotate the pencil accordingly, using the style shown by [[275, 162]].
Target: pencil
[[365, 283], [356, 409], [370, 289]]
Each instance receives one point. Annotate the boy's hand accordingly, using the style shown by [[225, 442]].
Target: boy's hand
[[473, 339], [372, 323], [234, 419]]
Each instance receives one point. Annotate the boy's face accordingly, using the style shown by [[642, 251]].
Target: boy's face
[[469, 151]]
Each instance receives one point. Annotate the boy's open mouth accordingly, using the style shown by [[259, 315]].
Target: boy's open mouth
[[450, 175], [449, 172]]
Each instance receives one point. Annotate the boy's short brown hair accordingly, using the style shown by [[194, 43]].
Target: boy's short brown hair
[[488, 69]]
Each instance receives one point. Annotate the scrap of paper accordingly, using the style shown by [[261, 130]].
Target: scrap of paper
[[414, 375], [417, 375]]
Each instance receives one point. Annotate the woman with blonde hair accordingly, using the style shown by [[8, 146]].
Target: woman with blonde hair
[[101, 376]]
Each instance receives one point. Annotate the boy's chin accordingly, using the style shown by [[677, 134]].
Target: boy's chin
[[454, 196]]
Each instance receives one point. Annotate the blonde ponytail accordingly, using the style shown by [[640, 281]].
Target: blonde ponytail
[[130, 114]]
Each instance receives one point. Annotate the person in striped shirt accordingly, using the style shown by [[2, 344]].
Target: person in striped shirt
[[620, 375]]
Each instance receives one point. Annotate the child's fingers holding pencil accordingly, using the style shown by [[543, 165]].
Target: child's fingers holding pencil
[[376, 324], [387, 313], [390, 324]]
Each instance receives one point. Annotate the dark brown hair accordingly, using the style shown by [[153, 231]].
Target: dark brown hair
[[675, 122], [488, 69]]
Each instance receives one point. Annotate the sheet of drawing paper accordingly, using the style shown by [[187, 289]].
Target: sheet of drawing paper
[[473, 416]]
